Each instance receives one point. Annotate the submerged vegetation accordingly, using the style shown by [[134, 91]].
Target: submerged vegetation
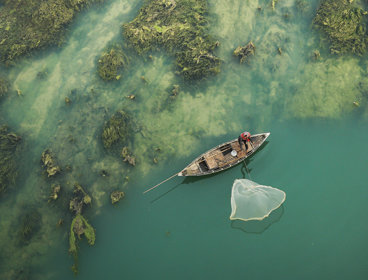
[[243, 53], [180, 27], [30, 224], [117, 129], [26, 25], [111, 62], [116, 196], [4, 87], [49, 162], [8, 145], [79, 227], [344, 25]]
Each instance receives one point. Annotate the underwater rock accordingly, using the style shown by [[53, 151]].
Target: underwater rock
[[117, 129], [116, 196], [79, 227], [55, 189], [179, 27], [79, 200], [9, 142], [49, 162], [4, 87], [111, 62], [342, 23], [243, 53], [127, 156], [28, 25]]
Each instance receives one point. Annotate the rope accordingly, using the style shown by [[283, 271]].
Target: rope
[[161, 183]]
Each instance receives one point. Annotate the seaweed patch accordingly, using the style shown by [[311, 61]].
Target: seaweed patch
[[26, 25], [180, 27], [111, 62], [344, 25]]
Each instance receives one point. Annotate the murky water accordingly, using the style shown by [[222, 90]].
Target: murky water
[[316, 154]]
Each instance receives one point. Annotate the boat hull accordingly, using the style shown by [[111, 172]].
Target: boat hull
[[223, 157]]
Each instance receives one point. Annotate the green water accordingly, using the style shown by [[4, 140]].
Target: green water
[[316, 154]]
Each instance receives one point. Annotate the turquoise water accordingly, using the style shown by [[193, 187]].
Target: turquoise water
[[316, 154]]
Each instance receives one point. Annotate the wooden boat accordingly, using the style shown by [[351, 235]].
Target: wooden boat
[[220, 158], [223, 156]]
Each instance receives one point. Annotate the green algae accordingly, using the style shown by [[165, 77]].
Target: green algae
[[9, 142], [111, 62], [344, 25], [79, 227], [26, 25], [117, 129], [180, 27]]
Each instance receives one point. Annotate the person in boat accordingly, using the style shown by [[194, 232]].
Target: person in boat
[[245, 138]]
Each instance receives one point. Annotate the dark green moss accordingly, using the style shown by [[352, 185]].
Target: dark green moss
[[26, 25], [343, 23], [117, 129], [111, 62], [8, 145], [180, 27]]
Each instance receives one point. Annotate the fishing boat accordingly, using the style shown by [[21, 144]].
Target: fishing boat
[[223, 156], [220, 158]]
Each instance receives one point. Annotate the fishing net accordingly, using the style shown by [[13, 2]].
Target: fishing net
[[251, 201]]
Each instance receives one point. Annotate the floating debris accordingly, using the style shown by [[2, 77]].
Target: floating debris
[[116, 196], [243, 53], [356, 103], [67, 101]]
